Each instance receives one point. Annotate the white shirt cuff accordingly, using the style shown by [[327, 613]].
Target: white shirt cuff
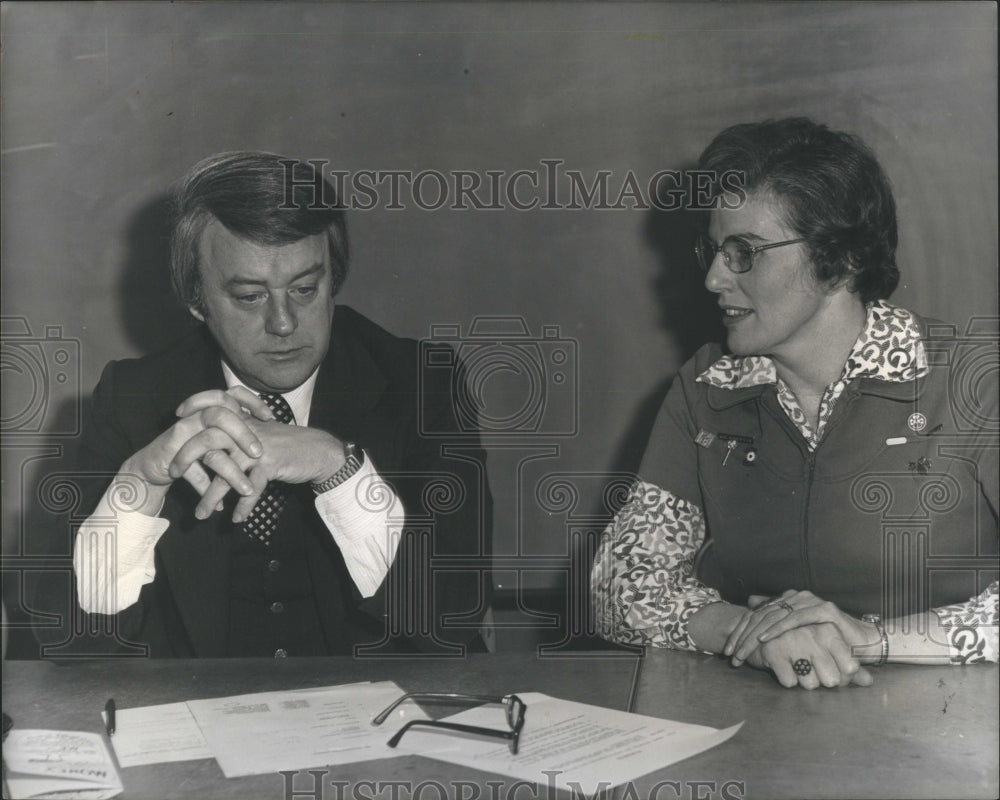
[[113, 557], [365, 517]]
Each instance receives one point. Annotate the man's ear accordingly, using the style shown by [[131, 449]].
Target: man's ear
[[196, 313]]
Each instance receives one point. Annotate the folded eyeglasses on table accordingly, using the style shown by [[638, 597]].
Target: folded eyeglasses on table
[[513, 706]]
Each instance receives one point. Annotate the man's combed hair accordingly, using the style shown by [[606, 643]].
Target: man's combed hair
[[264, 198], [833, 191]]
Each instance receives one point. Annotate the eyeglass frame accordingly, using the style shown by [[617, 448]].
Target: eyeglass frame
[[509, 701], [703, 238]]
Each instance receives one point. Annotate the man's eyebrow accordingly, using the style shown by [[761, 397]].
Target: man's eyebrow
[[315, 268]]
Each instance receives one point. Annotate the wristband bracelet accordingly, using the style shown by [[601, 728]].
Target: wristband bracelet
[[354, 458], [876, 620]]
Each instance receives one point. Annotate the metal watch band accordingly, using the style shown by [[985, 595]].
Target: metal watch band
[[876, 620], [354, 458]]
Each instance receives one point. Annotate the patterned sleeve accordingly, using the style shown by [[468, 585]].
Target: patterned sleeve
[[972, 627], [642, 583]]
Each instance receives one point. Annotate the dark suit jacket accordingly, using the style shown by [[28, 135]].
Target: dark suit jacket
[[369, 391]]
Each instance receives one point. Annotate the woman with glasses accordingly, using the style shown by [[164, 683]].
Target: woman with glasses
[[817, 496]]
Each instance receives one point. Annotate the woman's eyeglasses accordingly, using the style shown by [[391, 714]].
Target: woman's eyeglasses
[[513, 706], [737, 254]]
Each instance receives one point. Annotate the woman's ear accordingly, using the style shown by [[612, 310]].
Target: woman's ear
[[848, 280]]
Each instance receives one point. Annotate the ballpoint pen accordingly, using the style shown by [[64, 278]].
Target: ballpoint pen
[[109, 709]]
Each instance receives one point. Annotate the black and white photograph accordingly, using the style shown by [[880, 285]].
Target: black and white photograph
[[500, 400]]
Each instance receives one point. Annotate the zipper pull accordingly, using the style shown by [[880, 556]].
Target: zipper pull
[[730, 446]]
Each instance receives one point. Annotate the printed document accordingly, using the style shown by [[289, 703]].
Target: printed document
[[573, 746], [157, 734], [262, 733]]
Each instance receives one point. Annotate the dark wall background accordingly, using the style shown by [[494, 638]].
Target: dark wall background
[[105, 104]]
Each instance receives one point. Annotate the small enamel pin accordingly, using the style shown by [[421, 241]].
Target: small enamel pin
[[922, 465], [730, 446], [733, 441], [916, 422], [922, 422], [704, 438]]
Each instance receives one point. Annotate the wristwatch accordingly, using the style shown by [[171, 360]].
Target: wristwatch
[[354, 458], [876, 620]]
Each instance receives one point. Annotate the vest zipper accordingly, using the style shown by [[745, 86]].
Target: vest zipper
[[844, 403], [804, 546]]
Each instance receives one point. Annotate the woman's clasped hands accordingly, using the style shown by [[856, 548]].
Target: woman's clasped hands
[[803, 640]]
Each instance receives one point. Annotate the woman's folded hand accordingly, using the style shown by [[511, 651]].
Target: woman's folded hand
[[810, 656]]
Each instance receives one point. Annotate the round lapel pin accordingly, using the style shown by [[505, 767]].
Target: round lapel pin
[[917, 422]]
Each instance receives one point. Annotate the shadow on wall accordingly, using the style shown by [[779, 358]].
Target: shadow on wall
[[39, 540], [688, 313], [151, 317], [690, 316]]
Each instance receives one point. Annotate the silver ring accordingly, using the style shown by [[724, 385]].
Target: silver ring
[[786, 605]]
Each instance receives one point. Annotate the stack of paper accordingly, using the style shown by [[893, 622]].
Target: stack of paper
[[66, 764], [572, 746], [254, 734]]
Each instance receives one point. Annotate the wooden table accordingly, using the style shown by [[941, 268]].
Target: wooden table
[[919, 732]]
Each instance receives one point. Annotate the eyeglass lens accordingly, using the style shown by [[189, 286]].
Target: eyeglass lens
[[515, 711], [735, 252]]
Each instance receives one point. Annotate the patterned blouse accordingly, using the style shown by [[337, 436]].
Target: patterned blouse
[[661, 533]]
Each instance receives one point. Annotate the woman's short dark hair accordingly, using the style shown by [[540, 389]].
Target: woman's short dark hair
[[834, 193], [264, 198]]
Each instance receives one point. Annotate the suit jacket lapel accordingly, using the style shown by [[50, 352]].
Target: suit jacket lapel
[[348, 386]]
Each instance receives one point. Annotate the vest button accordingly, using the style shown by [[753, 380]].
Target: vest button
[[273, 565], [277, 607], [281, 652]]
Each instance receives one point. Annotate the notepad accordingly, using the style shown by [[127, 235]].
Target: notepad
[[59, 764]]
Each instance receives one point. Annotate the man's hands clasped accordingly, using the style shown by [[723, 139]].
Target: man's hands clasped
[[229, 441]]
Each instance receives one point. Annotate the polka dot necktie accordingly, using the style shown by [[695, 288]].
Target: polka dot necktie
[[263, 520]]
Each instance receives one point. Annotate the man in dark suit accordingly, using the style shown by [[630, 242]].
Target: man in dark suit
[[274, 472]]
